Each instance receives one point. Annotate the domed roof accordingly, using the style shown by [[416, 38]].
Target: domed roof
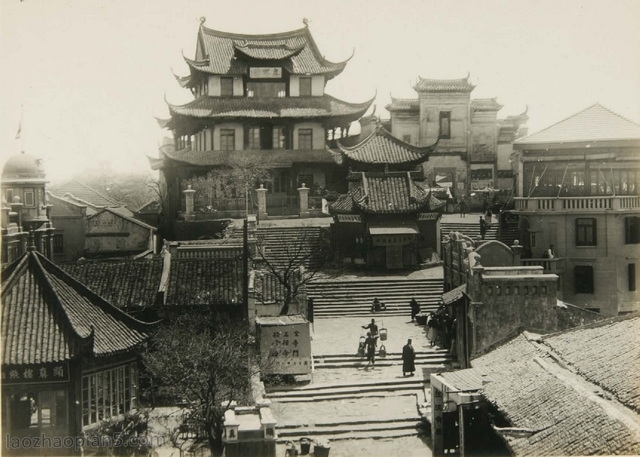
[[22, 167]]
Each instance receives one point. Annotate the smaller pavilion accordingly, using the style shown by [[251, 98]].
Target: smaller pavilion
[[69, 357], [388, 218]]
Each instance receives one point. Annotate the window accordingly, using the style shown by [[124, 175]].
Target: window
[[227, 139], [631, 270], [279, 138], [586, 234], [305, 138], [253, 140], [38, 410], [108, 393], [406, 139], [226, 87], [29, 198], [266, 89], [445, 124], [305, 86], [58, 243], [8, 195], [632, 230], [583, 275]]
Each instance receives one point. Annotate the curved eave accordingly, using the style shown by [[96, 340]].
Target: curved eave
[[252, 53]]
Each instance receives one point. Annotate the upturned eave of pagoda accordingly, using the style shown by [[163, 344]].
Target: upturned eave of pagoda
[[205, 110], [382, 149], [227, 53]]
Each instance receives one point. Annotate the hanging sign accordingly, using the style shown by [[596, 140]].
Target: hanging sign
[[265, 72]]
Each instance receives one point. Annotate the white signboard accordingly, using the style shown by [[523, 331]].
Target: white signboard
[[265, 72], [286, 348]]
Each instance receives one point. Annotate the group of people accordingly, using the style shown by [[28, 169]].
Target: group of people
[[370, 348], [441, 328]]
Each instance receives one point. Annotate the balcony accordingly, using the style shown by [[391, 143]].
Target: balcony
[[622, 202], [555, 266]]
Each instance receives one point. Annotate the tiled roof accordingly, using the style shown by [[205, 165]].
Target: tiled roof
[[123, 215], [125, 283], [389, 193], [274, 158], [403, 104], [454, 294], [85, 193], [204, 282], [595, 123], [485, 104], [444, 85], [324, 106], [381, 147], [553, 404], [607, 355], [297, 50], [47, 316]]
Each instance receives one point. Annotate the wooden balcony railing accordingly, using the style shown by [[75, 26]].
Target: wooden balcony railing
[[577, 203]]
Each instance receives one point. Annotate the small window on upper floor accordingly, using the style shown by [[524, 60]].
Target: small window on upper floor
[[29, 197], [583, 279], [227, 139], [586, 234], [631, 272], [279, 137], [253, 138], [226, 86], [445, 124], [8, 195], [58, 243], [632, 230], [305, 138], [305, 86]]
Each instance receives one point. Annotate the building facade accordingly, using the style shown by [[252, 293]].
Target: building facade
[[259, 101], [579, 191], [388, 218], [475, 146]]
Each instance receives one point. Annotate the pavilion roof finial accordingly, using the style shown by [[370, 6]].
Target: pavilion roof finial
[[202, 20], [305, 21]]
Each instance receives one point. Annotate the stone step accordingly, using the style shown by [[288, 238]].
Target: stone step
[[333, 358], [326, 392], [382, 362]]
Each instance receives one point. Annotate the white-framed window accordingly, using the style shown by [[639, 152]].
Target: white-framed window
[[108, 393]]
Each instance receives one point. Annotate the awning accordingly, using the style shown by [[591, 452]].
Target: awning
[[409, 228]]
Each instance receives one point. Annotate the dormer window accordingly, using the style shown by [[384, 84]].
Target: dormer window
[[226, 87]]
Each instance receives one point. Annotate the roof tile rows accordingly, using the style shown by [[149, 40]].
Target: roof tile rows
[[444, 85], [381, 147], [85, 193], [47, 316], [269, 107], [297, 46], [204, 282], [125, 283], [595, 123], [403, 104], [563, 415], [607, 355], [485, 104]]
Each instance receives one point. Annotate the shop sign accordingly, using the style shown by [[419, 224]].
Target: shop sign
[[36, 373], [286, 348], [265, 72]]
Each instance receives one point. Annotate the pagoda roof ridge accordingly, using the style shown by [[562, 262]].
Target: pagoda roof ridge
[[381, 147], [401, 103], [444, 85], [296, 48]]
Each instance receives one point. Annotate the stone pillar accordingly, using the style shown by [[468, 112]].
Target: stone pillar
[[262, 202], [303, 194], [517, 253], [16, 208], [189, 195]]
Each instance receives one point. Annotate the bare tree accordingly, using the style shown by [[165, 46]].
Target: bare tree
[[291, 264], [206, 363]]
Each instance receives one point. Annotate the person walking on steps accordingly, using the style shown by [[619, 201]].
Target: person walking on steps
[[415, 308], [371, 343], [462, 206], [408, 359], [373, 328], [483, 227]]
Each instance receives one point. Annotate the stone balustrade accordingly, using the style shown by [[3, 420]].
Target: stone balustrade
[[621, 202], [549, 265]]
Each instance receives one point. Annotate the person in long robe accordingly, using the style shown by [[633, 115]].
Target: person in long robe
[[408, 359]]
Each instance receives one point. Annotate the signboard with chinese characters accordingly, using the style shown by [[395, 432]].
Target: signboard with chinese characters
[[28, 374], [285, 343], [265, 72]]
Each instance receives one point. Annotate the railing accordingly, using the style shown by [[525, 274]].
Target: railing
[[549, 265], [577, 203]]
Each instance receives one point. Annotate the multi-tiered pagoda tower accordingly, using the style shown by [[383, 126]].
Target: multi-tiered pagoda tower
[[258, 99]]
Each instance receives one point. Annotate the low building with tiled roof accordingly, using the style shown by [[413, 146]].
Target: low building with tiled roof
[[568, 393], [259, 96], [388, 218], [474, 148], [579, 190], [60, 341]]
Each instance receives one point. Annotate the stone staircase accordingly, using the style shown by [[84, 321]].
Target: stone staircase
[[434, 358], [470, 229], [354, 297], [509, 233]]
